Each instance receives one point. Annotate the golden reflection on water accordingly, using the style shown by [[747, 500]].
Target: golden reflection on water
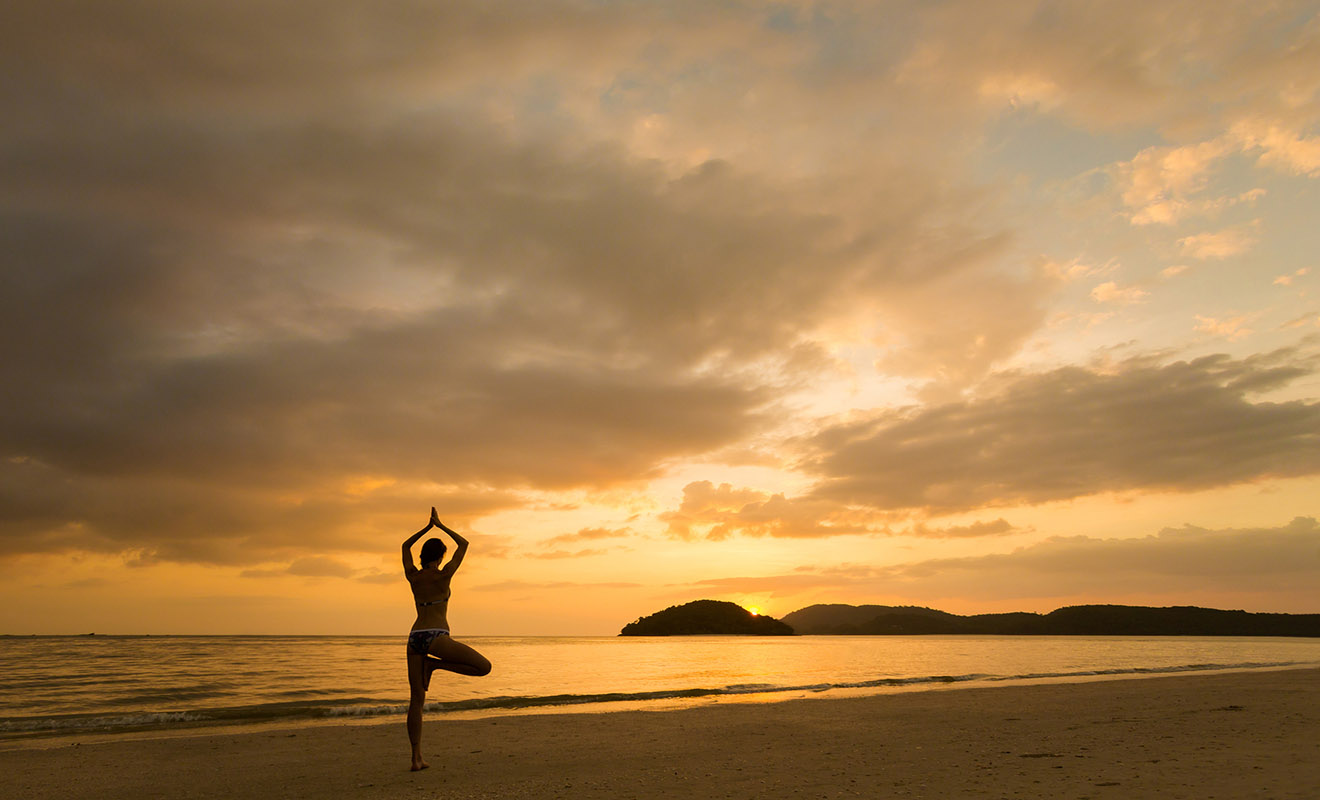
[[263, 680]]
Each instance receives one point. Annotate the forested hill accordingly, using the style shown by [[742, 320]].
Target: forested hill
[[1072, 620], [706, 617]]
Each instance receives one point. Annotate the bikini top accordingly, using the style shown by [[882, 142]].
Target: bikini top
[[430, 602]]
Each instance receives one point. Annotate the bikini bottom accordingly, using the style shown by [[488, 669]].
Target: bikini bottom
[[419, 641]]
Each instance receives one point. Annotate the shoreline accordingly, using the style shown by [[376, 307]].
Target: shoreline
[[50, 739], [1228, 734]]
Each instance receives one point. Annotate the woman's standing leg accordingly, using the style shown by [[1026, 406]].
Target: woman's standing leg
[[416, 699]]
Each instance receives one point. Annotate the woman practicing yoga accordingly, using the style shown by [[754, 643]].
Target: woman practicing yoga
[[429, 645]]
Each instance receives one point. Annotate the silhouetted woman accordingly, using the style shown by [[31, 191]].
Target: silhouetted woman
[[429, 645]]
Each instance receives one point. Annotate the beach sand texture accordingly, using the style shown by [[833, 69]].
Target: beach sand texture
[[1235, 735]]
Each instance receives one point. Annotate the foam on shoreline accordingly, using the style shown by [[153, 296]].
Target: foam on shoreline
[[295, 713], [1229, 735]]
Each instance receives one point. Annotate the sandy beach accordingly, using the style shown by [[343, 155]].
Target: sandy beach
[[1232, 735]]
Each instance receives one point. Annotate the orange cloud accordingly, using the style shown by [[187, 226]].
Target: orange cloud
[[1220, 244], [1207, 566]]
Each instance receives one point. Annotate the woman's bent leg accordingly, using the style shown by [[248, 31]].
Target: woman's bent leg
[[416, 699], [457, 657], [445, 654]]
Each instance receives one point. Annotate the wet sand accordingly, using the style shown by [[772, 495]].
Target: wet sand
[[1237, 735]]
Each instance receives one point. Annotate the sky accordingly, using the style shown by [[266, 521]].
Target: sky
[[977, 306]]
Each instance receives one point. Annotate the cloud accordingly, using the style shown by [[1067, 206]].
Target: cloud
[[1310, 318], [953, 328], [1110, 292], [1287, 280], [271, 274], [1166, 185], [320, 566], [1122, 68], [268, 274], [1232, 328], [1158, 184], [561, 554], [1075, 269], [378, 578], [1188, 559], [1220, 244], [313, 567], [718, 512], [996, 527], [1072, 432], [151, 519], [1030, 438], [588, 535], [1281, 146], [1193, 561], [519, 585]]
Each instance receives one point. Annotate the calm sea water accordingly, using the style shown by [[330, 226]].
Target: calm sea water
[[104, 684]]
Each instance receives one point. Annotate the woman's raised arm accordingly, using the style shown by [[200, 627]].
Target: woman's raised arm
[[408, 566], [460, 549]]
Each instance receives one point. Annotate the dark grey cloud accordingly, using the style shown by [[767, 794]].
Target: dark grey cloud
[[1071, 432], [250, 254], [1283, 560], [1030, 438], [185, 519], [1277, 565]]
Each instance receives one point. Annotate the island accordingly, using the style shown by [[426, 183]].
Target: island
[[1092, 620], [715, 617], [706, 617]]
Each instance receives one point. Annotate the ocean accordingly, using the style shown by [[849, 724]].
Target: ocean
[[104, 685]]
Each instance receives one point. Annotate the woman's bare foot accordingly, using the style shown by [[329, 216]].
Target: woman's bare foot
[[418, 764], [429, 665]]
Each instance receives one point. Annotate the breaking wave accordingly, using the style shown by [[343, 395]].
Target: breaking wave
[[362, 707]]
